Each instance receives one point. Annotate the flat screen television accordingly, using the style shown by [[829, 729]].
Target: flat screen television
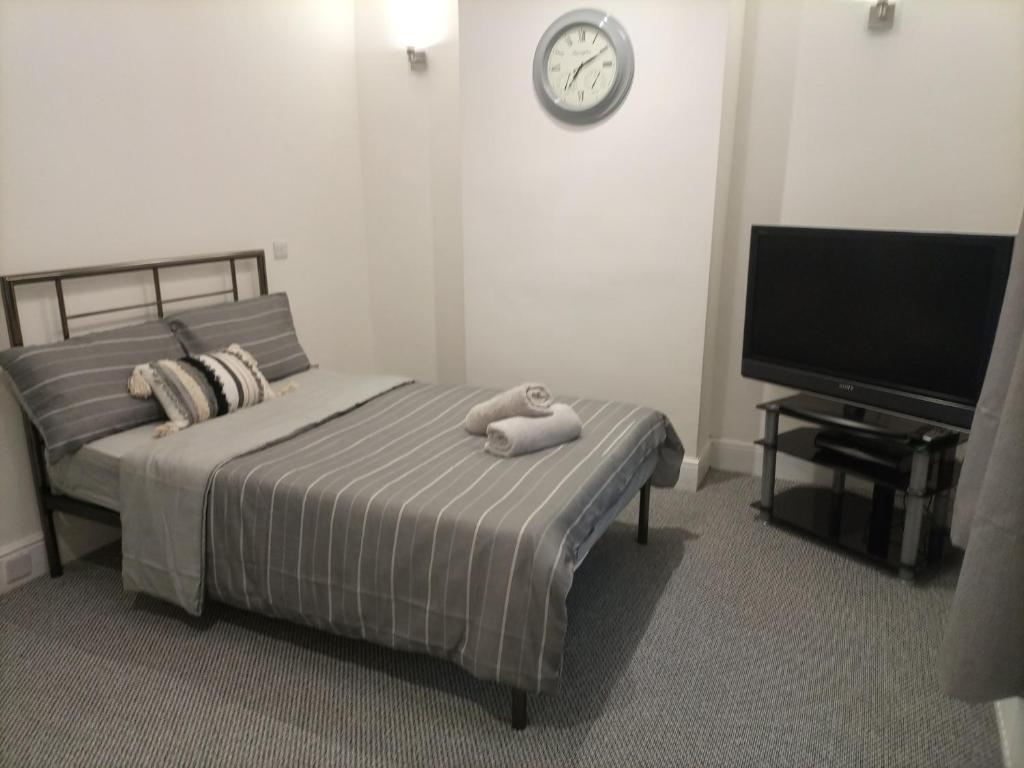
[[897, 320]]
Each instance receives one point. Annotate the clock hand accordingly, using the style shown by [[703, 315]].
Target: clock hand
[[572, 78], [578, 69], [593, 57]]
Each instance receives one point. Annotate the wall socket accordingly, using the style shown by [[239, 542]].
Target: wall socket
[[280, 250], [18, 568]]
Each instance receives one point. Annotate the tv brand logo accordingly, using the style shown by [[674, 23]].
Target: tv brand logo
[[846, 387]]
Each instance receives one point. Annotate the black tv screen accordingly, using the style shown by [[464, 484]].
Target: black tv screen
[[902, 321]]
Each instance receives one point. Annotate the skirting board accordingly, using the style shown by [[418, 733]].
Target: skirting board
[[694, 468], [745, 457], [734, 456], [25, 557], [1010, 715]]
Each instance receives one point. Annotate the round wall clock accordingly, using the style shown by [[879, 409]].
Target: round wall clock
[[583, 66]]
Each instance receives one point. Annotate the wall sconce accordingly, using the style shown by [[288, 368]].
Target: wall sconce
[[417, 59], [416, 25], [881, 16]]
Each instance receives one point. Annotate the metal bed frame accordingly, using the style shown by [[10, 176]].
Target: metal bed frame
[[47, 501]]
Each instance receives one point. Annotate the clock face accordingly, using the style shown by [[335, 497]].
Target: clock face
[[582, 67]]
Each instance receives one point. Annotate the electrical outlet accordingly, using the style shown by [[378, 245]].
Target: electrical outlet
[[18, 568], [280, 250]]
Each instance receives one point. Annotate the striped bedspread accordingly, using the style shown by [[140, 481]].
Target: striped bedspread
[[390, 523]]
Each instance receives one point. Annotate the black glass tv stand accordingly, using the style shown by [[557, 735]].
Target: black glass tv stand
[[897, 455]]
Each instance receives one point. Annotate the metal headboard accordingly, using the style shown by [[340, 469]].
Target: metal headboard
[[47, 501], [61, 276]]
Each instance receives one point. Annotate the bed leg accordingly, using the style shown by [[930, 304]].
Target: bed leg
[[35, 451], [50, 542], [519, 719], [645, 513]]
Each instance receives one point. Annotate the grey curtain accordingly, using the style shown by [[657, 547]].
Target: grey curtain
[[983, 653]]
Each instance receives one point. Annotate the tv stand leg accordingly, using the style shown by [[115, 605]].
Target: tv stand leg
[[771, 434], [943, 510], [836, 517], [914, 519]]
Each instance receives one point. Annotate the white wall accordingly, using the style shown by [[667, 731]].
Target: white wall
[[136, 130], [394, 140], [145, 130], [921, 128], [409, 137], [587, 250], [723, 191], [446, 198]]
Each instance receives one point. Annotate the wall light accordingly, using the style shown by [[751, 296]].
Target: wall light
[[418, 24], [882, 15], [417, 59]]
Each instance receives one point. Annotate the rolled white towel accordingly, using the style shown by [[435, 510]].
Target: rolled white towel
[[523, 434], [524, 400]]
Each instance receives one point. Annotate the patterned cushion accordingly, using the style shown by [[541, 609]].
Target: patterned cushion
[[263, 326], [199, 388], [74, 391]]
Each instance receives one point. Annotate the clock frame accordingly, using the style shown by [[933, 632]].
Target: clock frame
[[618, 39]]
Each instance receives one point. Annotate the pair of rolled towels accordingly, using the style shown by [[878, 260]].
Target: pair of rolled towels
[[522, 420]]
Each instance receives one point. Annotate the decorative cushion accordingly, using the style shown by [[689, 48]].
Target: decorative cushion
[[263, 326], [74, 391], [201, 387]]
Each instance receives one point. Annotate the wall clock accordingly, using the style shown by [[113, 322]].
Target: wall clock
[[583, 66]]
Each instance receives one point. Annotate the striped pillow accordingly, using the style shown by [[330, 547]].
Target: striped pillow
[[74, 391], [199, 388], [263, 326]]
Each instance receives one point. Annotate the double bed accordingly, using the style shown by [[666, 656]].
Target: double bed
[[359, 505]]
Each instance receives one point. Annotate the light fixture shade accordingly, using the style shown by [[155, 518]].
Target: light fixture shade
[[419, 23]]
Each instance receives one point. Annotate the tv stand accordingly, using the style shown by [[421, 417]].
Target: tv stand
[[897, 455]]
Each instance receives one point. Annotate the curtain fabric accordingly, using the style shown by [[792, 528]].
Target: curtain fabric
[[983, 650]]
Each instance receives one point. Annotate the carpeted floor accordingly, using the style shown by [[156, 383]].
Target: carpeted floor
[[722, 643]]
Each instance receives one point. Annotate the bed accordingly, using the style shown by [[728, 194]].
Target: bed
[[359, 505]]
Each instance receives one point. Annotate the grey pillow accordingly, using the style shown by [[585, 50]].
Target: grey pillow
[[262, 326], [76, 391]]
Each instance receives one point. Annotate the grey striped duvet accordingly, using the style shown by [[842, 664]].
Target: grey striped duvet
[[77, 391], [390, 523]]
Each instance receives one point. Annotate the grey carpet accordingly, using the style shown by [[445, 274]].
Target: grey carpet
[[722, 643]]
